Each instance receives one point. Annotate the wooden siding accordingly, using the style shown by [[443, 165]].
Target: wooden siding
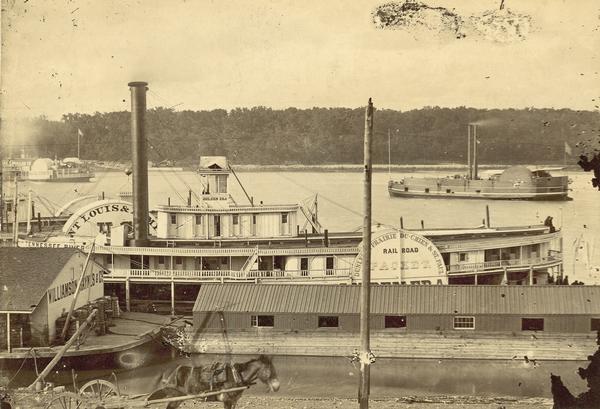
[[571, 324]]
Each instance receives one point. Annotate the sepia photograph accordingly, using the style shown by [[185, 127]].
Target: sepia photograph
[[309, 204]]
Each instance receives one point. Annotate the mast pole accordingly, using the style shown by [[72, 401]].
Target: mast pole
[[365, 290], [15, 213], [389, 153], [470, 171], [475, 176]]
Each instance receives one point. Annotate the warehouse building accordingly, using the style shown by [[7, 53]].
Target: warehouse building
[[483, 309], [36, 287]]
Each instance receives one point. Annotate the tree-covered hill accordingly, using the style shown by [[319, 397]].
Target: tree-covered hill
[[262, 135]]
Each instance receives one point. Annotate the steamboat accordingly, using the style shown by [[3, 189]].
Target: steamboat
[[516, 182], [157, 260], [66, 170]]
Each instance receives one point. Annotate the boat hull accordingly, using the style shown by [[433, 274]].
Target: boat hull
[[73, 179], [558, 196], [447, 188]]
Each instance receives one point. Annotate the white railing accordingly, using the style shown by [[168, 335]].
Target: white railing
[[492, 242], [216, 251], [229, 209], [212, 275], [499, 264]]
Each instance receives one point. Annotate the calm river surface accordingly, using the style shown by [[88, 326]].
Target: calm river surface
[[340, 204]]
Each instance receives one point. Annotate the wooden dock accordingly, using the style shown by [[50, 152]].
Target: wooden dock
[[131, 330], [559, 347]]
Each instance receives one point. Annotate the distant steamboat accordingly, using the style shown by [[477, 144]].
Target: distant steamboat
[[517, 182], [66, 170]]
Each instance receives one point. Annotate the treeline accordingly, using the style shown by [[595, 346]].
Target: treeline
[[319, 135]]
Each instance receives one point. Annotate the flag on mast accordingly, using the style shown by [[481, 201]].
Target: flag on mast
[[568, 150], [79, 133]]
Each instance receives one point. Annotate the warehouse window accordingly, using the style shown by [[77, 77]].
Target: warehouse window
[[262, 321], [464, 322], [532, 324], [395, 321], [595, 324], [328, 321]]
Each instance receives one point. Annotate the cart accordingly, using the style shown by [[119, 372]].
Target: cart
[[102, 394]]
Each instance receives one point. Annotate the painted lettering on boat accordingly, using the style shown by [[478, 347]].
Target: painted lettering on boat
[[403, 256], [90, 214]]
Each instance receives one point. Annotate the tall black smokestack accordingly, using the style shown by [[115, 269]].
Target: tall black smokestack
[[139, 162]]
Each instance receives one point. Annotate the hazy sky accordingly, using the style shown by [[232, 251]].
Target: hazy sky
[[77, 56]]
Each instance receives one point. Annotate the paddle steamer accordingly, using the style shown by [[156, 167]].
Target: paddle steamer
[[214, 238]]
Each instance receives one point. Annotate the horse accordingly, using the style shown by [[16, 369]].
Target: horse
[[194, 380]]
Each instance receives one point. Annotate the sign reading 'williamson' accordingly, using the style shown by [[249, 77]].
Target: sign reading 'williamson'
[[403, 256], [67, 289]]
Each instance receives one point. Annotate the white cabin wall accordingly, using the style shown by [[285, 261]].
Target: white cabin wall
[[477, 256], [317, 264], [187, 225], [162, 229]]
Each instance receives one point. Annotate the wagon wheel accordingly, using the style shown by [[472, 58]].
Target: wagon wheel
[[99, 389], [66, 400]]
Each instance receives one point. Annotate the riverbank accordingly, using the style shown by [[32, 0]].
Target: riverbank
[[439, 402], [22, 399]]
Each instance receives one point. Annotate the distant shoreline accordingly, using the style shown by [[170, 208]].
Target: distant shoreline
[[355, 167]]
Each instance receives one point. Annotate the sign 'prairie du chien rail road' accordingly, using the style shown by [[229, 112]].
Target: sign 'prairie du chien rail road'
[[399, 256]]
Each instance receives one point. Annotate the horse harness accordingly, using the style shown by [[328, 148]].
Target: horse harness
[[217, 374]]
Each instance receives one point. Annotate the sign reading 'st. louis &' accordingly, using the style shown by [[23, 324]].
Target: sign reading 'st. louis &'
[[110, 211], [403, 256]]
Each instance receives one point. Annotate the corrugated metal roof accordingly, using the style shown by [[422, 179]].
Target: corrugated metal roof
[[398, 299]]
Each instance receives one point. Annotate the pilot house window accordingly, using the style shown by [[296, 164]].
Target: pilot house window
[[173, 219], [198, 219]]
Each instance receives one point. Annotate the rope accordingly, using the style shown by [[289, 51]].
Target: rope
[[357, 213], [20, 367]]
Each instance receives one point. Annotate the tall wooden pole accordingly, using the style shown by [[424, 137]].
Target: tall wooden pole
[[365, 291], [64, 349], [63, 334]]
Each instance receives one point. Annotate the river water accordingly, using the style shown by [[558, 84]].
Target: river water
[[340, 201], [340, 196]]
